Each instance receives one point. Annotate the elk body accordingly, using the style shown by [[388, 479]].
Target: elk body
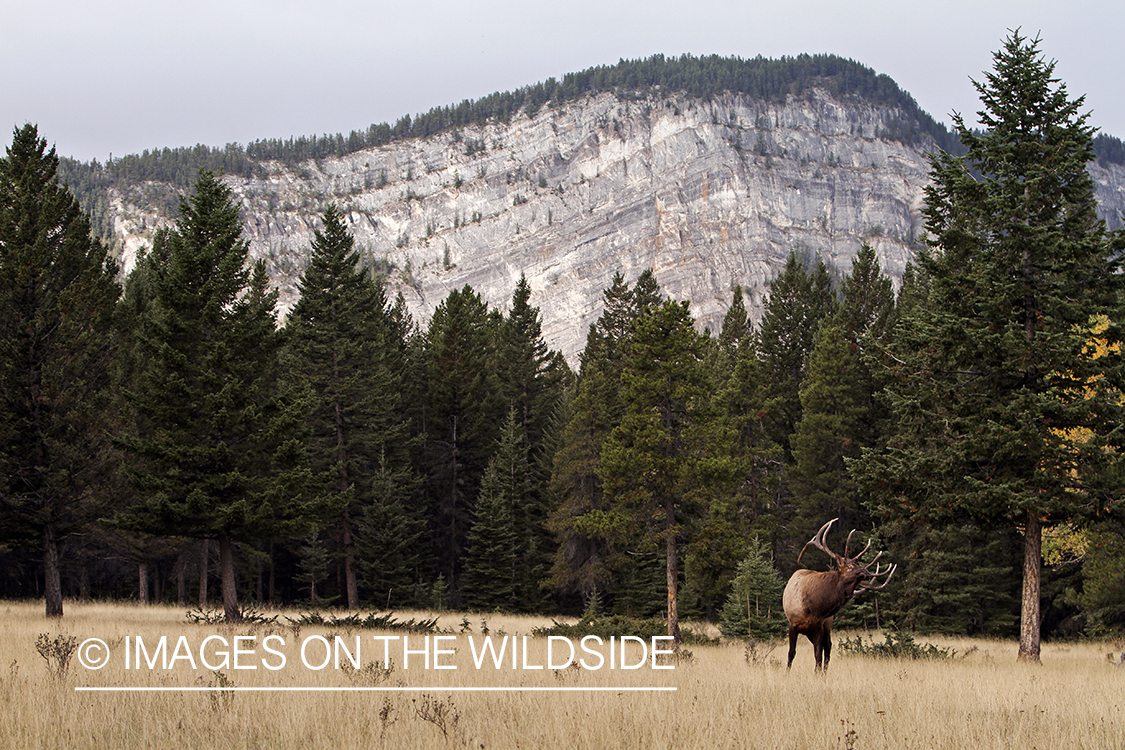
[[812, 599]]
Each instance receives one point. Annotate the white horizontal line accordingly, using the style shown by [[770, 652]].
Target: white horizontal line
[[435, 689]]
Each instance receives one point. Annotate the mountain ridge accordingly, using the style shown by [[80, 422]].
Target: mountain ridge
[[710, 189]]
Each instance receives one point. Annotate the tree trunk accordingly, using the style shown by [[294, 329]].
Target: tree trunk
[[142, 583], [272, 583], [673, 577], [52, 583], [259, 591], [1032, 566], [204, 553], [343, 481], [181, 583], [350, 583], [84, 584], [231, 611]]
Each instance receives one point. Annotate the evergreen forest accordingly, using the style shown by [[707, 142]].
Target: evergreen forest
[[164, 438]]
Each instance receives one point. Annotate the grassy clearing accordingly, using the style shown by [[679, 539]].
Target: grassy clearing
[[984, 699]]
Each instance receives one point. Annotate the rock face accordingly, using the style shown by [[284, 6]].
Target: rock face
[[708, 194]]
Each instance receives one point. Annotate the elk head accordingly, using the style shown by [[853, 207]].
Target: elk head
[[812, 599]]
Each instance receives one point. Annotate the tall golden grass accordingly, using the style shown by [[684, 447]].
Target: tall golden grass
[[723, 699]]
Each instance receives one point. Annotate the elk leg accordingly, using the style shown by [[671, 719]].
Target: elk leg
[[817, 639], [826, 641], [793, 645]]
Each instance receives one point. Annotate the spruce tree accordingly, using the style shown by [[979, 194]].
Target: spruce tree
[[840, 414], [736, 328], [742, 475], [586, 559], [836, 407], [1103, 580], [464, 410], [500, 567], [57, 296], [527, 370], [531, 379], [341, 359], [753, 607], [215, 456], [1004, 411], [390, 535], [313, 565], [745, 474], [755, 457], [958, 578], [867, 299], [516, 477], [798, 303]]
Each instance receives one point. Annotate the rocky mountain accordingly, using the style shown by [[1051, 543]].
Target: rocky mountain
[[709, 192]]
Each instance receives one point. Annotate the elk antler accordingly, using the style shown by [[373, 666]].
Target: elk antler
[[848, 543], [869, 585], [818, 542]]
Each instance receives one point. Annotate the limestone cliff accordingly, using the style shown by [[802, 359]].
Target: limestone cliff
[[709, 194]]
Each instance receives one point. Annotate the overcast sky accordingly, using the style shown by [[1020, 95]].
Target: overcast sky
[[119, 76]]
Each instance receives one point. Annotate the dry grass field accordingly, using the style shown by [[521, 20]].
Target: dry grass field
[[722, 699]]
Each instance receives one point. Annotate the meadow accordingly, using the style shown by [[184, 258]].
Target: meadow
[[725, 695]]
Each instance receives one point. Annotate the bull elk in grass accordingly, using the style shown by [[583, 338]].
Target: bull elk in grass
[[811, 599]]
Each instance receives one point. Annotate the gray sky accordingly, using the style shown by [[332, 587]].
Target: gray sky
[[119, 76]]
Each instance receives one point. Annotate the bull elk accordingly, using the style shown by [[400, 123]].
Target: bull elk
[[812, 599]]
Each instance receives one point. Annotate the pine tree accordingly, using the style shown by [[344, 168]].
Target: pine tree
[[215, 455], [1005, 414], [651, 464], [57, 297]]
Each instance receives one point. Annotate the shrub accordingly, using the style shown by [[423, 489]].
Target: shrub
[[897, 645], [618, 625], [370, 622]]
